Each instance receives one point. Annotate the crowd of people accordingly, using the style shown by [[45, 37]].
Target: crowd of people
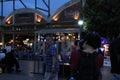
[[86, 59], [8, 61]]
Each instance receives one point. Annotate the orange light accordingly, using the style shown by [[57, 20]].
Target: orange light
[[38, 18], [9, 20], [76, 15], [55, 18]]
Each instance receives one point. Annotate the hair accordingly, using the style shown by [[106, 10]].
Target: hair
[[50, 36], [93, 39], [4, 50], [76, 42]]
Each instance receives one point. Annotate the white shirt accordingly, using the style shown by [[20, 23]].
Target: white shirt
[[2, 55]]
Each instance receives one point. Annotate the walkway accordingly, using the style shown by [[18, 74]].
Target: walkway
[[28, 69]]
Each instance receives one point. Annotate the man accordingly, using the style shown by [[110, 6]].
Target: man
[[115, 58], [2, 55], [51, 59], [11, 61], [2, 60]]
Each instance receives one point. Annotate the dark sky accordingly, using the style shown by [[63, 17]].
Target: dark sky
[[54, 5]]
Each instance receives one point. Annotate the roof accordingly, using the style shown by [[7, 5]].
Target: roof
[[66, 5]]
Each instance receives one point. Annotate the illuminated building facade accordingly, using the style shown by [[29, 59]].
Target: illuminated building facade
[[24, 25]]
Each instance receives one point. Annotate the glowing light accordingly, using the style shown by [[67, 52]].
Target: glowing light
[[74, 37], [11, 41], [55, 18], [1, 43], [38, 18], [80, 22], [9, 20], [76, 15]]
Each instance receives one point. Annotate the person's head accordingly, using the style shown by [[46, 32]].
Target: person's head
[[81, 42], [49, 39], [4, 50], [93, 39]]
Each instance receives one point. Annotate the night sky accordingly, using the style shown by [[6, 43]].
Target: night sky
[[54, 5]]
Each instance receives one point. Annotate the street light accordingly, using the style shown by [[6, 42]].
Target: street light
[[80, 22]]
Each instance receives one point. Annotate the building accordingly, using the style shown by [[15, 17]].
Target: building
[[25, 25]]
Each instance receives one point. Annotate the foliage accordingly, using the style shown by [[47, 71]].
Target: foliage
[[103, 16]]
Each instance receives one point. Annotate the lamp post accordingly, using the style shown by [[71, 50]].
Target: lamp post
[[80, 23]]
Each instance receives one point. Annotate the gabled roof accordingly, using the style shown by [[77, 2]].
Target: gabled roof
[[68, 4], [25, 10]]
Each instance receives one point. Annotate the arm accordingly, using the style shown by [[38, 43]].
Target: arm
[[53, 61], [99, 60], [54, 58]]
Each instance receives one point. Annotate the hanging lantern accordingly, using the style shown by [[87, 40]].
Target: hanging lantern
[[9, 20], [76, 15], [38, 18], [55, 18]]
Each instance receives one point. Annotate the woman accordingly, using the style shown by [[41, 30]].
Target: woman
[[90, 60]]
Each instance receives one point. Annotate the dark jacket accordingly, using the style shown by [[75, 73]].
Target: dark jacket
[[88, 66], [115, 55]]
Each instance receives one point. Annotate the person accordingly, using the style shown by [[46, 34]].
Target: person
[[74, 58], [90, 61], [51, 59], [2, 60], [66, 51], [101, 57], [2, 55], [114, 50], [11, 60]]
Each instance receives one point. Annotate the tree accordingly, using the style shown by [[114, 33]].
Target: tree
[[103, 16]]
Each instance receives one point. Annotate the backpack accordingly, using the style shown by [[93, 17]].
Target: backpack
[[87, 69]]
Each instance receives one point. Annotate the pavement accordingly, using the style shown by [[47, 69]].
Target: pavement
[[33, 70]]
